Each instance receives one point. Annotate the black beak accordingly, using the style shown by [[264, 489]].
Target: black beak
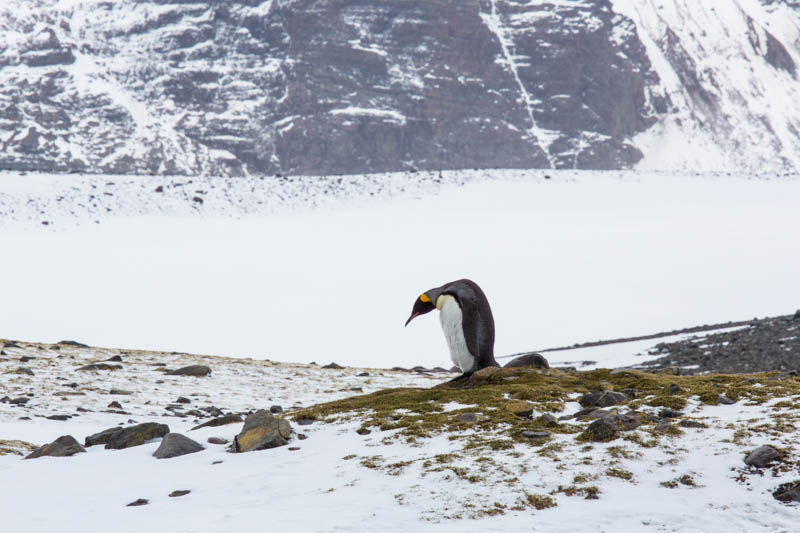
[[412, 317]]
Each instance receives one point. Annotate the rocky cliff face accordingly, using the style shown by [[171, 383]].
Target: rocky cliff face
[[345, 86]]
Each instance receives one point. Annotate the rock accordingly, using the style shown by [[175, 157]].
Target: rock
[[115, 359], [796, 315], [548, 420], [120, 392], [73, 343], [762, 456], [305, 421], [102, 437], [59, 417], [262, 431], [217, 440], [363, 431], [293, 448], [692, 424], [608, 427], [179, 493], [213, 411], [114, 405], [302, 436], [276, 409], [22, 400], [136, 435], [356, 389], [175, 445], [674, 389], [472, 417], [362, 374], [333, 366], [22, 370], [182, 399], [191, 370], [520, 408], [535, 435], [602, 398], [140, 501], [532, 360], [221, 421], [669, 413], [99, 366], [726, 401], [26, 358], [63, 446], [788, 492]]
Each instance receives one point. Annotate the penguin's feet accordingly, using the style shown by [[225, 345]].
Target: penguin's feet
[[463, 377]]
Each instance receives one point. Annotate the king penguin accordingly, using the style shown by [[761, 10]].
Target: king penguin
[[467, 323]]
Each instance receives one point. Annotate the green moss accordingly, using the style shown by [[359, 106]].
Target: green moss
[[618, 472], [539, 501]]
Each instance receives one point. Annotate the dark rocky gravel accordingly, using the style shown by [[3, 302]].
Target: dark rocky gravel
[[769, 344]]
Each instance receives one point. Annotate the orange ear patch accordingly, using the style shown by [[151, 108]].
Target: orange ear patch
[[424, 298]]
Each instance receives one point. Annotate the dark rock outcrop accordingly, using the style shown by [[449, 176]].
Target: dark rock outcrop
[[261, 431], [174, 445], [220, 421], [99, 366], [117, 438], [762, 456], [63, 446], [532, 359], [788, 492], [191, 370], [599, 398]]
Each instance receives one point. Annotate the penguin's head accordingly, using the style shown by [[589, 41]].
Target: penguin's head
[[423, 304]]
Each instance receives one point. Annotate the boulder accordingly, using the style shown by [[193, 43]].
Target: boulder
[[762, 456], [600, 398], [99, 366], [221, 421], [175, 445], [191, 370], [63, 446], [261, 431], [120, 438], [333, 366], [608, 428], [532, 360]]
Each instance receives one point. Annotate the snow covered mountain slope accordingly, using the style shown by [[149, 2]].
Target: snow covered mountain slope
[[341, 86]]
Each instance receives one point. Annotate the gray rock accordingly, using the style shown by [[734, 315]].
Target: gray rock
[[59, 417], [669, 413], [120, 392], [182, 399], [472, 417], [788, 492], [22, 400], [23, 370], [608, 428], [535, 435], [73, 343], [333, 366], [261, 431], [548, 420], [305, 421], [136, 435], [137, 503], [599, 398], [692, 424], [114, 359], [191, 370], [114, 405], [174, 445], [726, 401], [217, 440], [63, 446], [102, 437], [762, 456], [275, 409], [532, 360], [99, 366], [221, 421], [674, 389], [179, 493]]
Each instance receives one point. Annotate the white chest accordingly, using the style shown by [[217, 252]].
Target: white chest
[[450, 317]]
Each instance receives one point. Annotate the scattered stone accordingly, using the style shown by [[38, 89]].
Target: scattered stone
[[302, 436], [22, 400], [73, 343], [532, 360], [548, 420], [472, 417], [294, 448], [333, 366], [114, 405], [179, 493], [363, 431], [120, 392], [674, 389], [213, 411], [191, 370], [796, 315], [99, 366], [63, 446], [762, 456], [520, 408], [140, 501], [136, 435], [23, 370], [195, 413], [692, 424], [608, 427], [305, 421], [401, 369], [535, 435], [669, 413], [59, 417], [182, 399], [102, 437], [356, 389], [663, 426], [601, 398], [262, 431], [362, 374], [788, 492], [221, 421], [26, 358], [115, 359], [217, 440], [276, 409], [217, 462], [175, 445], [726, 401], [5, 399]]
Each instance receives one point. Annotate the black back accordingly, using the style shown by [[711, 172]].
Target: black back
[[477, 320]]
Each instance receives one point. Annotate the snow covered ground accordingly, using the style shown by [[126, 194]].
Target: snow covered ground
[[306, 269], [339, 480]]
